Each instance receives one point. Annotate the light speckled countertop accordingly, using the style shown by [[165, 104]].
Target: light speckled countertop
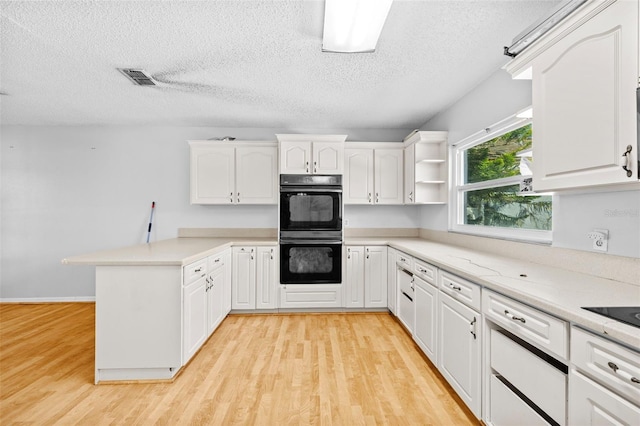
[[554, 290], [174, 251]]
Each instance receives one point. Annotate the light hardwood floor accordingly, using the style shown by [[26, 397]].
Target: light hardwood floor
[[341, 369]]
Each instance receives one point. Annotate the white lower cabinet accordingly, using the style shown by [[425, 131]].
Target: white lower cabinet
[[525, 374], [366, 277], [603, 383], [392, 292], [425, 331], [195, 317], [267, 278], [354, 280], [593, 404], [215, 290], [459, 350], [254, 278], [243, 280]]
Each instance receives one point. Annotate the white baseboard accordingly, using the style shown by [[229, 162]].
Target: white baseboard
[[85, 299]]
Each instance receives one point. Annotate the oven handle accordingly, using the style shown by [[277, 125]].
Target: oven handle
[[303, 189], [324, 242]]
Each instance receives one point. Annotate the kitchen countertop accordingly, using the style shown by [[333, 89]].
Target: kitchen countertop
[[557, 291], [174, 251], [554, 290]]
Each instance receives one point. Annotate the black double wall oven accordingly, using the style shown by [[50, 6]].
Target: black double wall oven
[[310, 229]]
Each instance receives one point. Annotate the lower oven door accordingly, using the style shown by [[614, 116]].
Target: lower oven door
[[310, 262]]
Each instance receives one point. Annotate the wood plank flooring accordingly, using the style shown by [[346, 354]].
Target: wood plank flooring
[[342, 369]]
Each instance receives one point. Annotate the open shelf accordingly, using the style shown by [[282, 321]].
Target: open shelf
[[426, 159]]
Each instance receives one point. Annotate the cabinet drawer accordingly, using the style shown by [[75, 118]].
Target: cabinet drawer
[[607, 362], [539, 381], [216, 261], [592, 404], [405, 261], [507, 409], [540, 329], [425, 271], [194, 271], [461, 290]]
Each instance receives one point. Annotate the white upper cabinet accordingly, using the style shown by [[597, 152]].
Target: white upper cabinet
[[373, 175], [295, 158], [212, 174], [242, 173], [585, 76], [311, 154], [358, 176], [256, 175]]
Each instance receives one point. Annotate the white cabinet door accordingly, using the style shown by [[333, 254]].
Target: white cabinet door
[[212, 175], [409, 175], [267, 278], [256, 175], [195, 318], [215, 299], [375, 276], [459, 350], [391, 280], [425, 331], [591, 404], [244, 278], [388, 176], [358, 176], [295, 157], [226, 258], [584, 103], [327, 158], [354, 285]]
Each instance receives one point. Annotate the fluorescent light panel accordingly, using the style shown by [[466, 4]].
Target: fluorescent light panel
[[353, 26]]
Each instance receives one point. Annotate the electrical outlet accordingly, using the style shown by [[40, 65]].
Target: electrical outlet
[[346, 223], [600, 239]]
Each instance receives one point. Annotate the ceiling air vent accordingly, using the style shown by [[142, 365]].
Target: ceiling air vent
[[138, 76]]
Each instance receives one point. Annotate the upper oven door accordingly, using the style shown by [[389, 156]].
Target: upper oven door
[[310, 209]]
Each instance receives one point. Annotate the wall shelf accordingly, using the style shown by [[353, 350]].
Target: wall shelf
[[426, 168]]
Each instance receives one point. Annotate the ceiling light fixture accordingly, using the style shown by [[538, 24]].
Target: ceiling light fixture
[[539, 28], [353, 26]]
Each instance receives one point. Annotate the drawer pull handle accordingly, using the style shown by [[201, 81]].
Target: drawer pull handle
[[622, 373], [198, 270], [514, 318], [455, 287], [217, 260]]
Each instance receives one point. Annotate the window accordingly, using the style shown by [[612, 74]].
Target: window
[[492, 185]]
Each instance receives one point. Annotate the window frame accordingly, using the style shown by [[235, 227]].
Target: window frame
[[458, 187]]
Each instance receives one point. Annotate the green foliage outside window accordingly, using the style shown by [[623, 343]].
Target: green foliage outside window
[[502, 206]]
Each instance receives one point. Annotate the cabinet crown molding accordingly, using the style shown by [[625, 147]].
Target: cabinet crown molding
[[308, 137], [427, 136]]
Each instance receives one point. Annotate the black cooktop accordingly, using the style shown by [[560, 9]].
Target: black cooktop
[[626, 314]]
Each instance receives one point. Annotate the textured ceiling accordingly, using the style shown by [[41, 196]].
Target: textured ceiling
[[245, 63]]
